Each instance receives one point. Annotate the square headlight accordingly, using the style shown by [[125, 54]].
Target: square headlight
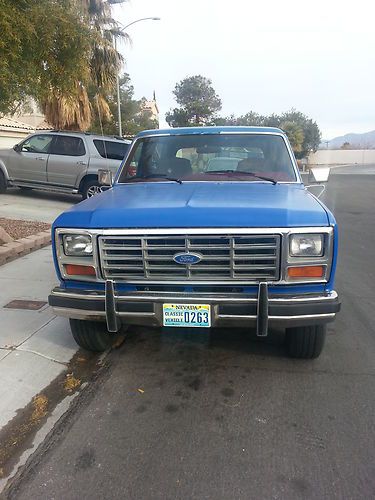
[[77, 245], [306, 245]]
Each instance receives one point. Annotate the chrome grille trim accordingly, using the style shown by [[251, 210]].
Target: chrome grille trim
[[225, 257]]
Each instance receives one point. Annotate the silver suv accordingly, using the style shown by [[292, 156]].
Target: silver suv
[[65, 162]]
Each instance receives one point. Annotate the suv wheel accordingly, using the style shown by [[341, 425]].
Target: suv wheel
[[93, 335], [3, 183], [91, 188], [305, 342]]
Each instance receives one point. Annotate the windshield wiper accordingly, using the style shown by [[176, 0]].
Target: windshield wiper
[[242, 172], [153, 176]]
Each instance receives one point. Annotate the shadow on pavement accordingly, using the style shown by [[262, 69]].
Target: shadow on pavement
[[190, 343], [44, 195]]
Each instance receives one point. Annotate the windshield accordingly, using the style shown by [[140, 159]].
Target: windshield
[[205, 157]]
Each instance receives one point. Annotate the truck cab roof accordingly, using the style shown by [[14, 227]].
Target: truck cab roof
[[211, 130]]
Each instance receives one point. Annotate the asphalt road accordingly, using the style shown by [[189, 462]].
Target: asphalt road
[[182, 415]]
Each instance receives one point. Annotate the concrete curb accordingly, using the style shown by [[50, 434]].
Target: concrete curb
[[24, 246]]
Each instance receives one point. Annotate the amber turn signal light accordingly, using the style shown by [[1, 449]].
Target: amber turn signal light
[[306, 272], [75, 270]]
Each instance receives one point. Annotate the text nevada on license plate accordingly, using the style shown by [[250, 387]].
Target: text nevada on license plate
[[188, 315]]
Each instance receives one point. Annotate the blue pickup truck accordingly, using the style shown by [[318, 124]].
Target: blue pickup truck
[[202, 227]]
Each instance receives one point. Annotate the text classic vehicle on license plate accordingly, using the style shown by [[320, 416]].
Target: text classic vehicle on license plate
[[187, 315]]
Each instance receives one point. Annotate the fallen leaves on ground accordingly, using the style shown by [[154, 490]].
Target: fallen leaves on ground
[[71, 382], [40, 404]]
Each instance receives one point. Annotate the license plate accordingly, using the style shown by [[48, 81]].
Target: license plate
[[188, 315]]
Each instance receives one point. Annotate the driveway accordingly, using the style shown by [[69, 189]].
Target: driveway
[[35, 205]]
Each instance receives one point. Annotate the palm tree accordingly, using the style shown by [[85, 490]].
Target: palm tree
[[295, 134], [75, 110]]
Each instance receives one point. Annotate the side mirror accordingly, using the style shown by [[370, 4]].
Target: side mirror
[[317, 177], [17, 148], [319, 174], [105, 177]]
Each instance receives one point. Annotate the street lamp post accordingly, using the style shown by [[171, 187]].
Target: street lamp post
[[118, 76]]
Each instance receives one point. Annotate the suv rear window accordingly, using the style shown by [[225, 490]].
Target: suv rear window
[[111, 150], [68, 146]]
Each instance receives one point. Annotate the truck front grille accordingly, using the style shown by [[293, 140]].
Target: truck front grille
[[249, 258]]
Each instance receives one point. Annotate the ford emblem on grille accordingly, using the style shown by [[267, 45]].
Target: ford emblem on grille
[[187, 258]]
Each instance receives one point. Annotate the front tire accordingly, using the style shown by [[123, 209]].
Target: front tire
[[91, 188], [92, 335], [3, 183], [305, 342]]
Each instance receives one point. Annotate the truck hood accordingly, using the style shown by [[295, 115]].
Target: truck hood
[[197, 204]]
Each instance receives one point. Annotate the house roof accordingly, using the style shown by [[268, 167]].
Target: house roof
[[44, 126], [7, 123]]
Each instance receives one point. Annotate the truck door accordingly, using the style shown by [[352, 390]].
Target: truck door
[[29, 164], [67, 161]]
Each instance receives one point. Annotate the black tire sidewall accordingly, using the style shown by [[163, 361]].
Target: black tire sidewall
[[305, 342], [3, 183], [92, 335], [87, 186]]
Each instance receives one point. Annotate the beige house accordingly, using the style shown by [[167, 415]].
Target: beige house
[[13, 131], [35, 119], [152, 107]]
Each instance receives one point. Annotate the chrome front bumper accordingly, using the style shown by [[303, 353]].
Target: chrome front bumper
[[234, 310]]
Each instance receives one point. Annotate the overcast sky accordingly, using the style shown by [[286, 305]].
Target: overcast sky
[[266, 56]]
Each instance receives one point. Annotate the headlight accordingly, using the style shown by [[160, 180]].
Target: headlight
[[306, 245], [77, 244]]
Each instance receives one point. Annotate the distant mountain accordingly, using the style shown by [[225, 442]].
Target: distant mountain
[[365, 140]]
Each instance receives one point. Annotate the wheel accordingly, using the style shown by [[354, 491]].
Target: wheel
[[3, 183], [92, 335], [305, 342], [91, 188]]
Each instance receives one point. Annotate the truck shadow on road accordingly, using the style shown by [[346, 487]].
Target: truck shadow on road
[[216, 343]]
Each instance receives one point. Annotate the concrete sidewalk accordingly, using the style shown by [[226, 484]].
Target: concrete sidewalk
[[35, 345]]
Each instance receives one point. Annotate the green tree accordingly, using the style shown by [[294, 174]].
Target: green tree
[[134, 117], [43, 45], [75, 109], [58, 51], [295, 135], [223, 121], [197, 100], [303, 133], [311, 132], [248, 120]]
